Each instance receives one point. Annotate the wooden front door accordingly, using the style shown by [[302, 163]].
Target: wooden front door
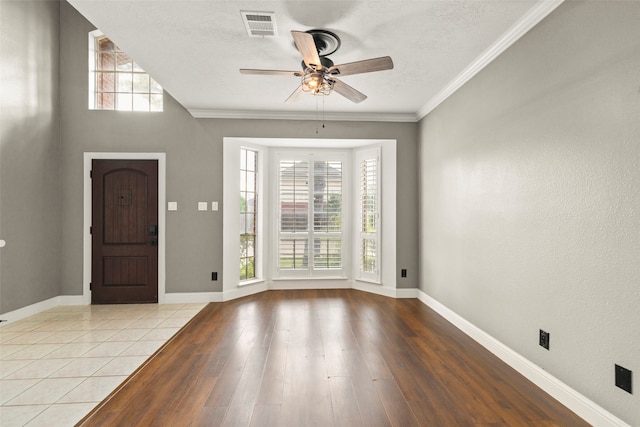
[[124, 261]]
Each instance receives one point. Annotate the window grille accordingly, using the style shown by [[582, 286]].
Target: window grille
[[248, 213], [118, 83]]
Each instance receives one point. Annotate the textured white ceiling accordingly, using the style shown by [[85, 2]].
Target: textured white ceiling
[[194, 48]]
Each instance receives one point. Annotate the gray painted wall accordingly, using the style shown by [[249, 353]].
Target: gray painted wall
[[29, 153], [529, 184], [530, 193], [194, 169]]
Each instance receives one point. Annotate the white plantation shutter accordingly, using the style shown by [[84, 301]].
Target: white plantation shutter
[[310, 190], [327, 215], [294, 196], [294, 215], [369, 206]]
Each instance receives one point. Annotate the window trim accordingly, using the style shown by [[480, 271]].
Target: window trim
[[231, 288]]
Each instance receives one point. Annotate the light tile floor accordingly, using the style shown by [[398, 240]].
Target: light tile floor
[[56, 366]]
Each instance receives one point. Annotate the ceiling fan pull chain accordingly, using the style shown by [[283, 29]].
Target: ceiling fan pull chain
[[323, 112]]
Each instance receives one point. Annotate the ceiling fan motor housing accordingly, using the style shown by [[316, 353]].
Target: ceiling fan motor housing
[[326, 41], [324, 61]]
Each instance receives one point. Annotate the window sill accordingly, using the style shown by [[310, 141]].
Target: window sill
[[250, 282], [299, 279]]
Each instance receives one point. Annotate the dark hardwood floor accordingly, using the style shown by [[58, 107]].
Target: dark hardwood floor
[[323, 358]]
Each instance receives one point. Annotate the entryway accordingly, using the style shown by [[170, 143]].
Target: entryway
[[124, 245]]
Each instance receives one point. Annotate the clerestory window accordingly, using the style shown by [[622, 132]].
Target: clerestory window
[[116, 82]]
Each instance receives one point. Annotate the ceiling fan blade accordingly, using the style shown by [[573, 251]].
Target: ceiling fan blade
[[366, 66], [295, 95], [348, 92], [272, 72], [307, 47]]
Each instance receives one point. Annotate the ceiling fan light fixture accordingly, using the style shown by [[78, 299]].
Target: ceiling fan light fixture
[[314, 82]]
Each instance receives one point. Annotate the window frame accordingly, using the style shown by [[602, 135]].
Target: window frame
[[257, 257], [94, 37]]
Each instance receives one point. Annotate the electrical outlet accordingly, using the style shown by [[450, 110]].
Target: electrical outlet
[[403, 272], [214, 276], [544, 339], [623, 378]]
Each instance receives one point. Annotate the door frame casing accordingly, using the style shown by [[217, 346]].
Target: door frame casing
[[162, 197]]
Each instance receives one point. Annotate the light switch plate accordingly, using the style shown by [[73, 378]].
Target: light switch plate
[[214, 206], [202, 206], [172, 206]]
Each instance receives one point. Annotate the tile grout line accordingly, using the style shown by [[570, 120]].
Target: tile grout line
[[167, 320]]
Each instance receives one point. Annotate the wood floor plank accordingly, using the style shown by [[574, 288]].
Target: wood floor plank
[[247, 390], [266, 415], [192, 401], [272, 385], [396, 406], [371, 408], [307, 395], [325, 358], [346, 412]]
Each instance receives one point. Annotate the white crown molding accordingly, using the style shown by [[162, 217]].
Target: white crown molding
[[301, 115], [576, 402], [519, 29]]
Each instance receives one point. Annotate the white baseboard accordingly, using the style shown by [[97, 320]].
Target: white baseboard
[[192, 297], [374, 288], [39, 307], [243, 291], [71, 300], [576, 402], [279, 285], [385, 291], [406, 293]]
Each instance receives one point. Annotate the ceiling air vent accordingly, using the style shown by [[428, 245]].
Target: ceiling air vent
[[260, 24]]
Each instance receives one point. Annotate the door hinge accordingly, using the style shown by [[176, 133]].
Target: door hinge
[[90, 230], [90, 286], [91, 174]]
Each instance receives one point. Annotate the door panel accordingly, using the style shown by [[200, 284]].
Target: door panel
[[124, 232]]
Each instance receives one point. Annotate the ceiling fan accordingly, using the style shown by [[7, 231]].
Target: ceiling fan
[[319, 74]]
